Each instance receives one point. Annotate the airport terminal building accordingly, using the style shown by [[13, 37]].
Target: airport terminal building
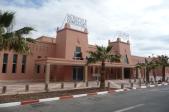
[[64, 59]]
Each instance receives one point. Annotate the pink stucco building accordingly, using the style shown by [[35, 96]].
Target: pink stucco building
[[64, 59]]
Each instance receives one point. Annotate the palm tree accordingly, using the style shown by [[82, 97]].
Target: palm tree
[[139, 66], [163, 61], [148, 66], [13, 40], [154, 65], [102, 54]]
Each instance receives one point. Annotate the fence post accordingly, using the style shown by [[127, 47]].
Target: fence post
[[134, 79], [140, 82], [62, 85], [87, 83], [131, 85], [26, 87], [122, 86], [129, 80], [108, 85], [4, 88], [97, 83], [75, 84], [46, 87], [167, 80], [156, 84]]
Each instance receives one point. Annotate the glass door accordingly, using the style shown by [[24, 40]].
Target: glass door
[[77, 73]]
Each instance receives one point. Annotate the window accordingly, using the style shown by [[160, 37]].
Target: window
[[23, 64], [39, 57], [37, 68], [5, 61], [78, 53], [14, 65], [126, 59], [44, 69], [91, 70]]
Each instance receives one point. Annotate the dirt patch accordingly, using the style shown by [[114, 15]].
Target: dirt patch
[[35, 96]]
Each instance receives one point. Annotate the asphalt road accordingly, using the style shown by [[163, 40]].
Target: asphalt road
[[140, 100]]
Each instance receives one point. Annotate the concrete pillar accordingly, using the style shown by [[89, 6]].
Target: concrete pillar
[[122, 73], [139, 73], [86, 73], [47, 74]]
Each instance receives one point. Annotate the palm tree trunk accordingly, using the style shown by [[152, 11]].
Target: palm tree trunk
[[147, 76], [154, 74], [163, 72], [144, 75], [102, 82]]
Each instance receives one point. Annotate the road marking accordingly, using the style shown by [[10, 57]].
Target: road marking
[[129, 108]]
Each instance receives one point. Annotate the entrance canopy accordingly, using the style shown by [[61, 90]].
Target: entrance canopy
[[60, 61]]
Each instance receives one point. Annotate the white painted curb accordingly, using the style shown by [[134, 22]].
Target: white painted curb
[[152, 85], [80, 95], [101, 93], [134, 88], [159, 84], [119, 90], [10, 104], [143, 87], [165, 84], [49, 99]]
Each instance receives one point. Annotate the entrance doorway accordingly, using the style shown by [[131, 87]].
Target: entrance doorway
[[78, 73], [126, 73]]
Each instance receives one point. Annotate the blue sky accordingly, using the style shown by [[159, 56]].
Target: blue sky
[[146, 21]]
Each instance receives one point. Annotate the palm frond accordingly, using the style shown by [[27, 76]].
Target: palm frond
[[108, 49], [163, 60], [6, 19], [31, 40], [13, 40], [102, 54], [25, 30], [114, 58]]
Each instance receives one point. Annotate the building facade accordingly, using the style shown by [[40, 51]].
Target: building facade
[[64, 59]]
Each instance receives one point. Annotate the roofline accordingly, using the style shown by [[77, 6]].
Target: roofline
[[72, 30]]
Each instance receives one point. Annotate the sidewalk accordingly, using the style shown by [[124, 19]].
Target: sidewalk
[[35, 87]]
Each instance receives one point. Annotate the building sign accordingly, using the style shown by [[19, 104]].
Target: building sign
[[122, 34], [74, 20]]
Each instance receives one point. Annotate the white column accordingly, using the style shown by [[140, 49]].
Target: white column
[[86, 73], [122, 73], [139, 73], [47, 74]]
